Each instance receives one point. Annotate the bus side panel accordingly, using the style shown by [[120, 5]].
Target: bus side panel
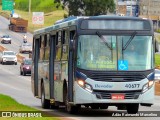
[[34, 74], [44, 75], [58, 82]]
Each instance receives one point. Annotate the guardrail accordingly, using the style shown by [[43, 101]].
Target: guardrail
[[4, 14]]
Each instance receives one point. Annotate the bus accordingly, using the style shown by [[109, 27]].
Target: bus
[[94, 62]]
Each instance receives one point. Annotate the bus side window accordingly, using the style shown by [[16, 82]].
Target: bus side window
[[41, 55], [46, 47], [58, 45], [33, 49], [72, 34], [65, 45]]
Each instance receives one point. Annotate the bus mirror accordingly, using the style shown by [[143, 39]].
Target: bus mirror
[[71, 45], [157, 46]]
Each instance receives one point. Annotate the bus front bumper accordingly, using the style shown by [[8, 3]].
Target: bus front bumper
[[82, 96]]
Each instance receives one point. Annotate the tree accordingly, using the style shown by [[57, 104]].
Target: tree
[[87, 7]]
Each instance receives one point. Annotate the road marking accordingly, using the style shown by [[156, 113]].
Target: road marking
[[10, 71], [9, 86]]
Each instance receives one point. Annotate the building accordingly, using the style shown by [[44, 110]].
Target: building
[[127, 7], [146, 8], [150, 9]]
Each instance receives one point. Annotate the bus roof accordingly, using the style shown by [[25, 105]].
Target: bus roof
[[73, 19]]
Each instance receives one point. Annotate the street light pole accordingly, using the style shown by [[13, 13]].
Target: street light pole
[[131, 9], [117, 7], [148, 12]]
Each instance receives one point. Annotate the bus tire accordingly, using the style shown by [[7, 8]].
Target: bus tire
[[132, 108], [45, 103], [72, 109]]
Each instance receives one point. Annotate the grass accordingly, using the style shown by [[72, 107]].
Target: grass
[[157, 36], [9, 104], [41, 5], [49, 19], [157, 59]]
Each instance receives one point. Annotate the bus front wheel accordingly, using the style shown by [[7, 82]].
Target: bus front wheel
[[132, 108], [72, 109]]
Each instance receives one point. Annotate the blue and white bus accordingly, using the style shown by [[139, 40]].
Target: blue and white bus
[[95, 62]]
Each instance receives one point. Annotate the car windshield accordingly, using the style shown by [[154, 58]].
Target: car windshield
[[6, 36], [27, 62], [9, 53], [94, 54], [26, 44]]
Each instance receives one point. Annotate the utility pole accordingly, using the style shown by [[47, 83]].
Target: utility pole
[[117, 7], [29, 8], [148, 8]]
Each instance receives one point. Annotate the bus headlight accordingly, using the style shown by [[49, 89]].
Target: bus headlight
[[147, 86], [81, 82], [84, 85], [4, 59]]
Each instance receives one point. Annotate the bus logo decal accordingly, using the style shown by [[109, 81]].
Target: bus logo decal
[[122, 65], [103, 86]]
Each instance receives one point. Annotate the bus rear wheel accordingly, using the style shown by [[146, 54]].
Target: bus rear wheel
[[132, 108], [45, 103]]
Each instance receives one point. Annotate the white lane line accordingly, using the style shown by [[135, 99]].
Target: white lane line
[[9, 86], [10, 71]]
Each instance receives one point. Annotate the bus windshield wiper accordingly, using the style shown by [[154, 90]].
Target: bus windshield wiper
[[130, 39], [104, 40]]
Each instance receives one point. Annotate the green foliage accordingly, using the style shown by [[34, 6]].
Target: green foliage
[[99, 7], [9, 104], [22, 5], [88, 7], [37, 5], [157, 59], [158, 30]]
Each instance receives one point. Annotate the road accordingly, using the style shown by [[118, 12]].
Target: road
[[19, 87], [17, 38]]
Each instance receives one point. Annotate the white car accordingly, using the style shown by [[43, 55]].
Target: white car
[[6, 39], [25, 47], [8, 57]]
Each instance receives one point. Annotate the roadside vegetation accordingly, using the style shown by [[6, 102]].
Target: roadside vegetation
[[37, 5], [157, 59], [49, 18], [9, 104], [157, 36]]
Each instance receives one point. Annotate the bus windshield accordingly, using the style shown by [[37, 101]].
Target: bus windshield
[[93, 54]]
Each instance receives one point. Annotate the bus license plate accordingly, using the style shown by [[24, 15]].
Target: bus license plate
[[117, 96]]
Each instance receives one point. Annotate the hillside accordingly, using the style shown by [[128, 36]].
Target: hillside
[[36, 5]]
